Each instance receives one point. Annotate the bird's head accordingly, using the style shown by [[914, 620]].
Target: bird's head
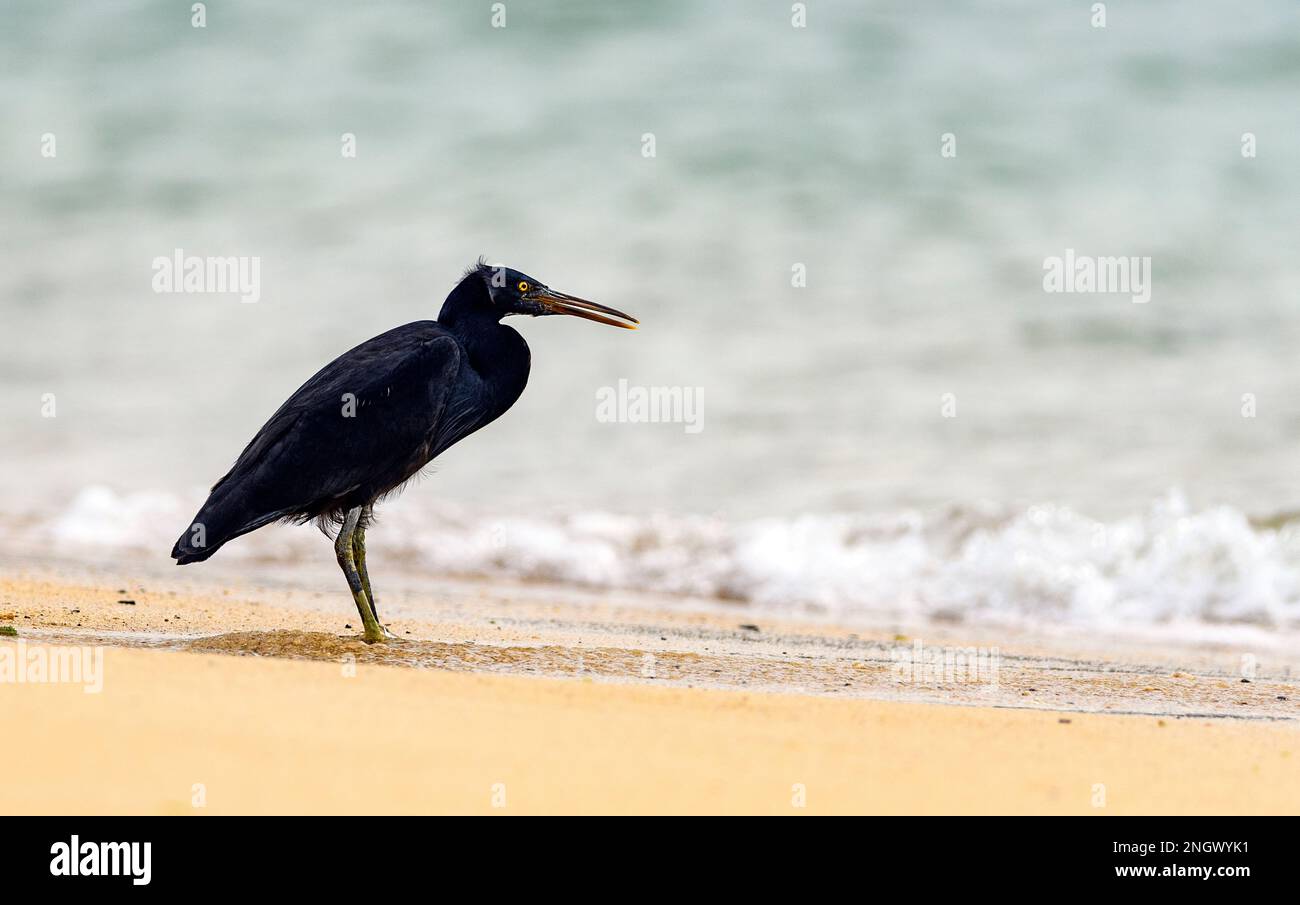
[[513, 292]]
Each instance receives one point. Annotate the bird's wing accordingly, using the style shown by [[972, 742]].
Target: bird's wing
[[364, 423]]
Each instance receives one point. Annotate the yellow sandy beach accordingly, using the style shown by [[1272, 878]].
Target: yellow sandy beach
[[556, 711]]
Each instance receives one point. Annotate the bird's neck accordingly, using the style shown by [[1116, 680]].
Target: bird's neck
[[469, 306], [470, 315], [496, 352]]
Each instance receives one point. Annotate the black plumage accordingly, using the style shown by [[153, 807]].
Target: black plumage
[[371, 419]]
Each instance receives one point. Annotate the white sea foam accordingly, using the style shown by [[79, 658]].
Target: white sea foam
[[1167, 567]]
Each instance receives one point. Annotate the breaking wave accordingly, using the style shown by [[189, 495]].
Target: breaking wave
[[1167, 566]]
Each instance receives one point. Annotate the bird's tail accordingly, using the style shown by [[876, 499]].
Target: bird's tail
[[222, 519], [187, 551]]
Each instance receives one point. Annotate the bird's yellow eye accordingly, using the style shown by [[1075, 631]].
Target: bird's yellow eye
[[523, 285]]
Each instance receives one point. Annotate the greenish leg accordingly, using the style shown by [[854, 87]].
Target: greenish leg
[[344, 553], [359, 554]]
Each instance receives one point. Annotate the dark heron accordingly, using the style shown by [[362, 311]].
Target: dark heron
[[368, 421]]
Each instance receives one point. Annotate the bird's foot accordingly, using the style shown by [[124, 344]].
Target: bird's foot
[[377, 633]]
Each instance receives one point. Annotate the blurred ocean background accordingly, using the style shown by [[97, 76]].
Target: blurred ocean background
[[1099, 470]]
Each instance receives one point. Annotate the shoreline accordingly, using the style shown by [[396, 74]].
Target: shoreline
[[605, 706], [503, 627]]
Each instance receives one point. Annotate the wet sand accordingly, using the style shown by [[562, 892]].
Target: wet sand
[[608, 704]]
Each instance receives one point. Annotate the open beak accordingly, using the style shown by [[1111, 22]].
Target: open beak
[[560, 303]]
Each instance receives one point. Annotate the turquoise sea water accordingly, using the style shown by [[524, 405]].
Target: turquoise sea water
[[775, 146]]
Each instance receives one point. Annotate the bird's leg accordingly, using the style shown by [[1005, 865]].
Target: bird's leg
[[343, 551], [359, 555]]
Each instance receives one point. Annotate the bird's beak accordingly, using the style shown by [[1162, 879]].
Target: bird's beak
[[561, 303]]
